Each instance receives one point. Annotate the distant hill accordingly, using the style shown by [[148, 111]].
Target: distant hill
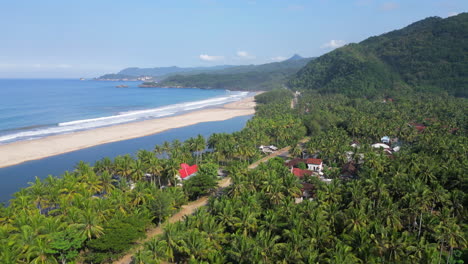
[[161, 71], [429, 55], [246, 77], [295, 57], [116, 76]]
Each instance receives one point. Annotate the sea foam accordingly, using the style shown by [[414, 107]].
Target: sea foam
[[121, 118]]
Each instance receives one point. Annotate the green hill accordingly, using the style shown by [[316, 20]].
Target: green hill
[[246, 77], [429, 55]]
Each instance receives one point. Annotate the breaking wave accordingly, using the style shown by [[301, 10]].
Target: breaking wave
[[121, 118]]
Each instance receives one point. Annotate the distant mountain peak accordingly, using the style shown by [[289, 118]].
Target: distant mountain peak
[[295, 57]]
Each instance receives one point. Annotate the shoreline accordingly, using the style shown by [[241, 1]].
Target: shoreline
[[18, 152]]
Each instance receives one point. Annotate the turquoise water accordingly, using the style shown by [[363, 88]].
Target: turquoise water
[[35, 108]]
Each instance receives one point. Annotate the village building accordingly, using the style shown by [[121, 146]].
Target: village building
[[308, 192], [268, 149], [419, 127], [315, 165], [349, 170], [300, 173], [380, 145], [187, 171], [385, 140]]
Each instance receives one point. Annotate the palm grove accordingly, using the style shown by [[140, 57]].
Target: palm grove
[[408, 207]]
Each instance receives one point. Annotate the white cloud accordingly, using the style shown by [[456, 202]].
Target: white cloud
[[278, 58], [452, 14], [244, 55], [332, 44], [207, 57], [389, 6]]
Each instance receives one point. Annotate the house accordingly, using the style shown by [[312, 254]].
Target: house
[[385, 139], [268, 149], [419, 127], [380, 145], [294, 162], [349, 170], [315, 165], [187, 171], [308, 192], [301, 173]]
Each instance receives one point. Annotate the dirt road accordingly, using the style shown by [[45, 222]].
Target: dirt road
[[190, 208]]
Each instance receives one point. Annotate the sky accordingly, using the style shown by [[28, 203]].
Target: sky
[[87, 38]]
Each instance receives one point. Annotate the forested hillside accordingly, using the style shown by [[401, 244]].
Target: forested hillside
[[429, 55], [165, 71], [249, 77]]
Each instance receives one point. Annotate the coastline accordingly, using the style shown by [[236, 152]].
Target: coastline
[[22, 151]]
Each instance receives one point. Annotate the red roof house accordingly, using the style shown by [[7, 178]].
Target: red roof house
[[186, 170], [301, 173], [315, 165], [419, 127], [314, 161]]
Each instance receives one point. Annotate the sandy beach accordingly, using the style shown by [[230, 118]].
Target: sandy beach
[[18, 152]]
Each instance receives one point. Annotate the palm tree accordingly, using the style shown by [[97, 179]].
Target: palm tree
[[107, 182], [144, 155], [155, 168], [40, 252], [295, 150], [123, 165], [268, 246], [200, 145], [138, 170], [105, 164], [89, 224], [171, 168]]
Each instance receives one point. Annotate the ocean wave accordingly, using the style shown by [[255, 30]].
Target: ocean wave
[[120, 118]]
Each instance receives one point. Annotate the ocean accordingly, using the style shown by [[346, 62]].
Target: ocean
[[35, 108]]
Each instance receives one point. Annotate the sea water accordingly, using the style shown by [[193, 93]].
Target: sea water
[[35, 108], [15, 177]]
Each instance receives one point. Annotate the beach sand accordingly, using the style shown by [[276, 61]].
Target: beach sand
[[18, 152]]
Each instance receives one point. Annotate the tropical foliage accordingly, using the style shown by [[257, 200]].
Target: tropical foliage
[[248, 77], [408, 207], [429, 55]]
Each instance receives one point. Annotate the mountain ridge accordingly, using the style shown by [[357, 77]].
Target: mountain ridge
[[428, 55]]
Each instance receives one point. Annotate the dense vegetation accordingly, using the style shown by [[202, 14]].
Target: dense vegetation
[[399, 207], [429, 55], [405, 208], [250, 77], [95, 213], [408, 207]]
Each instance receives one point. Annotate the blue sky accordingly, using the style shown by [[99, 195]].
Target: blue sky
[[86, 38]]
